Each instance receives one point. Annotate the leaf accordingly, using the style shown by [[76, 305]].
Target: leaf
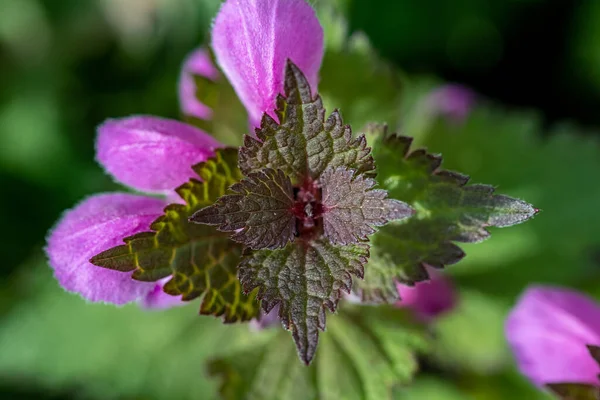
[[201, 260], [470, 337], [54, 344], [549, 168], [504, 385], [575, 391], [351, 207], [305, 277], [376, 88], [430, 387], [447, 210], [260, 212], [364, 353], [303, 144]]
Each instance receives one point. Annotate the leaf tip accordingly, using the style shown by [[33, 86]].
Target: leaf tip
[[512, 211]]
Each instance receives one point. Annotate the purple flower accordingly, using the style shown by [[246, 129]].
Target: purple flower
[[451, 101], [251, 39], [98, 223], [548, 331], [428, 299], [151, 154], [198, 63], [158, 299], [266, 320]]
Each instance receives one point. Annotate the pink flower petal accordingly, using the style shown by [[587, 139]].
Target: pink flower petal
[[452, 101], [198, 63], [265, 321], [158, 299], [548, 331], [252, 39], [151, 154], [94, 225], [428, 299]]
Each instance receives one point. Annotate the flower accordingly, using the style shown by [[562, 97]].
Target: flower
[[149, 154], [451, 101], [549, 330], [198, 63], [428, 299], [266, 320], [252, 41]]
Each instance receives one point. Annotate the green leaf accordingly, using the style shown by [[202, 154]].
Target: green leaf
[[507, 385], [201, 260], [549, 169], [364, 353], [470, 337], [54, 344], [429, 387], [353, 77], [447, 210], [305, 277], [261, 211], [351, 207], [575, 391], [229, 119], [303, 144]]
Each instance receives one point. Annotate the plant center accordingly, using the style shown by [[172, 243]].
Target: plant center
[[308, 209]]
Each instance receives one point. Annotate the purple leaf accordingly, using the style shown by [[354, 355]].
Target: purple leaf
[[304, 278], [303, 144], [351, 207], [260, 212]]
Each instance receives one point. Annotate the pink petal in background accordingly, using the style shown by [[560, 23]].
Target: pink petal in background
[[548, 331], [252, 39], [451, 101], [94, 225], [151, 154], [157, 299], [266, 320], [428, 299], [198, 63]]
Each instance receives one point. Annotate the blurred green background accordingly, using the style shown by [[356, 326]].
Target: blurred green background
[[67, 65]]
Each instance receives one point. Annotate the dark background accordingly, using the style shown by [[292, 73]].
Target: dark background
[[539, 54]]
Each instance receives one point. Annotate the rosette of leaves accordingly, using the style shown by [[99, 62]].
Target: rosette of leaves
[[303, 211], [286, 220]]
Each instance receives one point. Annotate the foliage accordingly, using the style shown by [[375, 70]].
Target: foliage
[[201, 260], [341, 370]]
